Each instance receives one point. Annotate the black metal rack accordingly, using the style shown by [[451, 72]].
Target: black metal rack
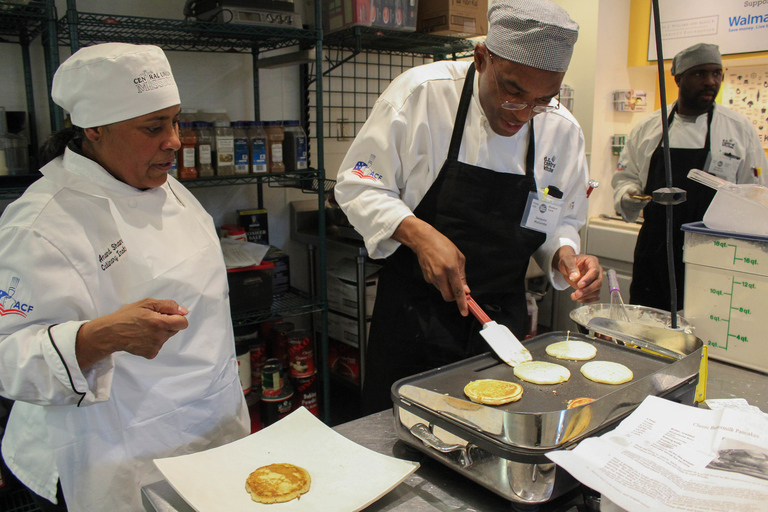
[[178, 35]]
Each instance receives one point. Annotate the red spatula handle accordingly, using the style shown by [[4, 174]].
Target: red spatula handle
[[476, 310]]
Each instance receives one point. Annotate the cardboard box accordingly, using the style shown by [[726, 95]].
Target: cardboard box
[[250, 288], [726, 293], [344, 329], [255, 223], [389, 14], [342, 287], [281, 275], [461, 18]]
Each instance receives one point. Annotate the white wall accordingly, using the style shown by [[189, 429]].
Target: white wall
[[581, 75]]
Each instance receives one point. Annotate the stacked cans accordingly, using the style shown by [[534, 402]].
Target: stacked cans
[[283, 371]]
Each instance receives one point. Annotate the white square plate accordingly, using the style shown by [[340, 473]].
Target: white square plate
[[345, 476]]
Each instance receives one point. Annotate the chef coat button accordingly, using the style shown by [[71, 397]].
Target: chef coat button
[[132, 203]]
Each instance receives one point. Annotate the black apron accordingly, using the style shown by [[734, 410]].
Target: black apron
[[413, 329], [650, 274]]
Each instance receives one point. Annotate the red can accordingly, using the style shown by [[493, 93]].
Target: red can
[[301, 359], [278, 340], [258, 358], [274, 408], [305, 394]]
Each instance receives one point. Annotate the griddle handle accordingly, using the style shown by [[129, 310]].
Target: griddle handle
[[476, 310], [423, 434]]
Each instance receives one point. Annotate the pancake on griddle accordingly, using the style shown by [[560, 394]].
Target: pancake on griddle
[[572, 350], [541, 372], [493, 392], [607, 372], [277, 483]]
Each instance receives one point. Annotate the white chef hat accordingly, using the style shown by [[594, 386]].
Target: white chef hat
[[696, 55], [111, 82], [536, 33]]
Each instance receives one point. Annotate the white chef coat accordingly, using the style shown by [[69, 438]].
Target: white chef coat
[[730, 132], [404, 143], [78, 245]]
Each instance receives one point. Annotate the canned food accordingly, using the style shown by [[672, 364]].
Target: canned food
[[258, 351], [278, 340], [301, 359], [305, 394], [271, 380], [274, 408]]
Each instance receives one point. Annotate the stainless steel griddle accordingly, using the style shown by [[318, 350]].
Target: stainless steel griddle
[[503, 447]]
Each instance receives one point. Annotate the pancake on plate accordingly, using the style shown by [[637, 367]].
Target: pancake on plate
[[493, 392], [541, 372], [572, 350], [607, 372], [576, 402], [277, 483]]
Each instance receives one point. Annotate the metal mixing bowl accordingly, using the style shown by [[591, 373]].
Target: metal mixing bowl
[[639, 314]]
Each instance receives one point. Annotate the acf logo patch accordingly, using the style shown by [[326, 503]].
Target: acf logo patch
[[9, 305], [364, 171]]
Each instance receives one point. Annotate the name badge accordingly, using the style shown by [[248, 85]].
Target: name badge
[[724, 166], [542, 213]]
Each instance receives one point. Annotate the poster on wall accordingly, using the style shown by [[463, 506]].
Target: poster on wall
[[736, 26], [745, 90]]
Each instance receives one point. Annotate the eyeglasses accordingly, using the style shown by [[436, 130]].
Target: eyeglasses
[[509, 105]]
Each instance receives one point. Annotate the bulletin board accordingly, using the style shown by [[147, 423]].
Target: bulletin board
[[736, 26], [745, 90]]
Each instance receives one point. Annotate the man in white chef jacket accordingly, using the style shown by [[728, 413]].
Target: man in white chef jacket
[[118, 345], [702, 135], [461, 173]]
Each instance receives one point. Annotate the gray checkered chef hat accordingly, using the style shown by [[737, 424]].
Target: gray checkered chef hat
[[536, 33], [107, 83], [696, 55]]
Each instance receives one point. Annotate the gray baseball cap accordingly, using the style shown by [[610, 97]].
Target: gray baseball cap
[[696, 55], [536, 33]]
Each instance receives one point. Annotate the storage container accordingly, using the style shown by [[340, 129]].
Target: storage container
[[250, 288], [726, 293], [342, 287], [446, 17]]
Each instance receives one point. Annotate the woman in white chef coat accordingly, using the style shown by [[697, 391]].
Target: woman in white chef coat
[[447, 180], [117, 343]]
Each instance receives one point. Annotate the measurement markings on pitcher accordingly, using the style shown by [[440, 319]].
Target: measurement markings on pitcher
[[731, 308]]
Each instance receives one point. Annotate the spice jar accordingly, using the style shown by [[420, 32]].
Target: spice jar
[[204, 132], [186, 160], [275, 137]]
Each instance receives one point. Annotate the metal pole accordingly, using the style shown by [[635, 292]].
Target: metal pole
[[667, 165]]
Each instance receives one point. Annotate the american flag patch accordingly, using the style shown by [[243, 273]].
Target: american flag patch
[[363, 170]]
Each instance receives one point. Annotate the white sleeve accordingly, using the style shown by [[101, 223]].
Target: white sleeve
[[632, 168], [37, 338], [754, 158], [370, 180]]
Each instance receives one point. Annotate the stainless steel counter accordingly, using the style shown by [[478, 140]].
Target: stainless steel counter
[[436, 488]]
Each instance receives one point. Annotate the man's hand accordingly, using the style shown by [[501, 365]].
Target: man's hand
[[141, 328], [441, 262], [581, 271], [633, 201]]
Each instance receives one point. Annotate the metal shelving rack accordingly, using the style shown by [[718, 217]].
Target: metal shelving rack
[[21, 24], [360, 62]]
